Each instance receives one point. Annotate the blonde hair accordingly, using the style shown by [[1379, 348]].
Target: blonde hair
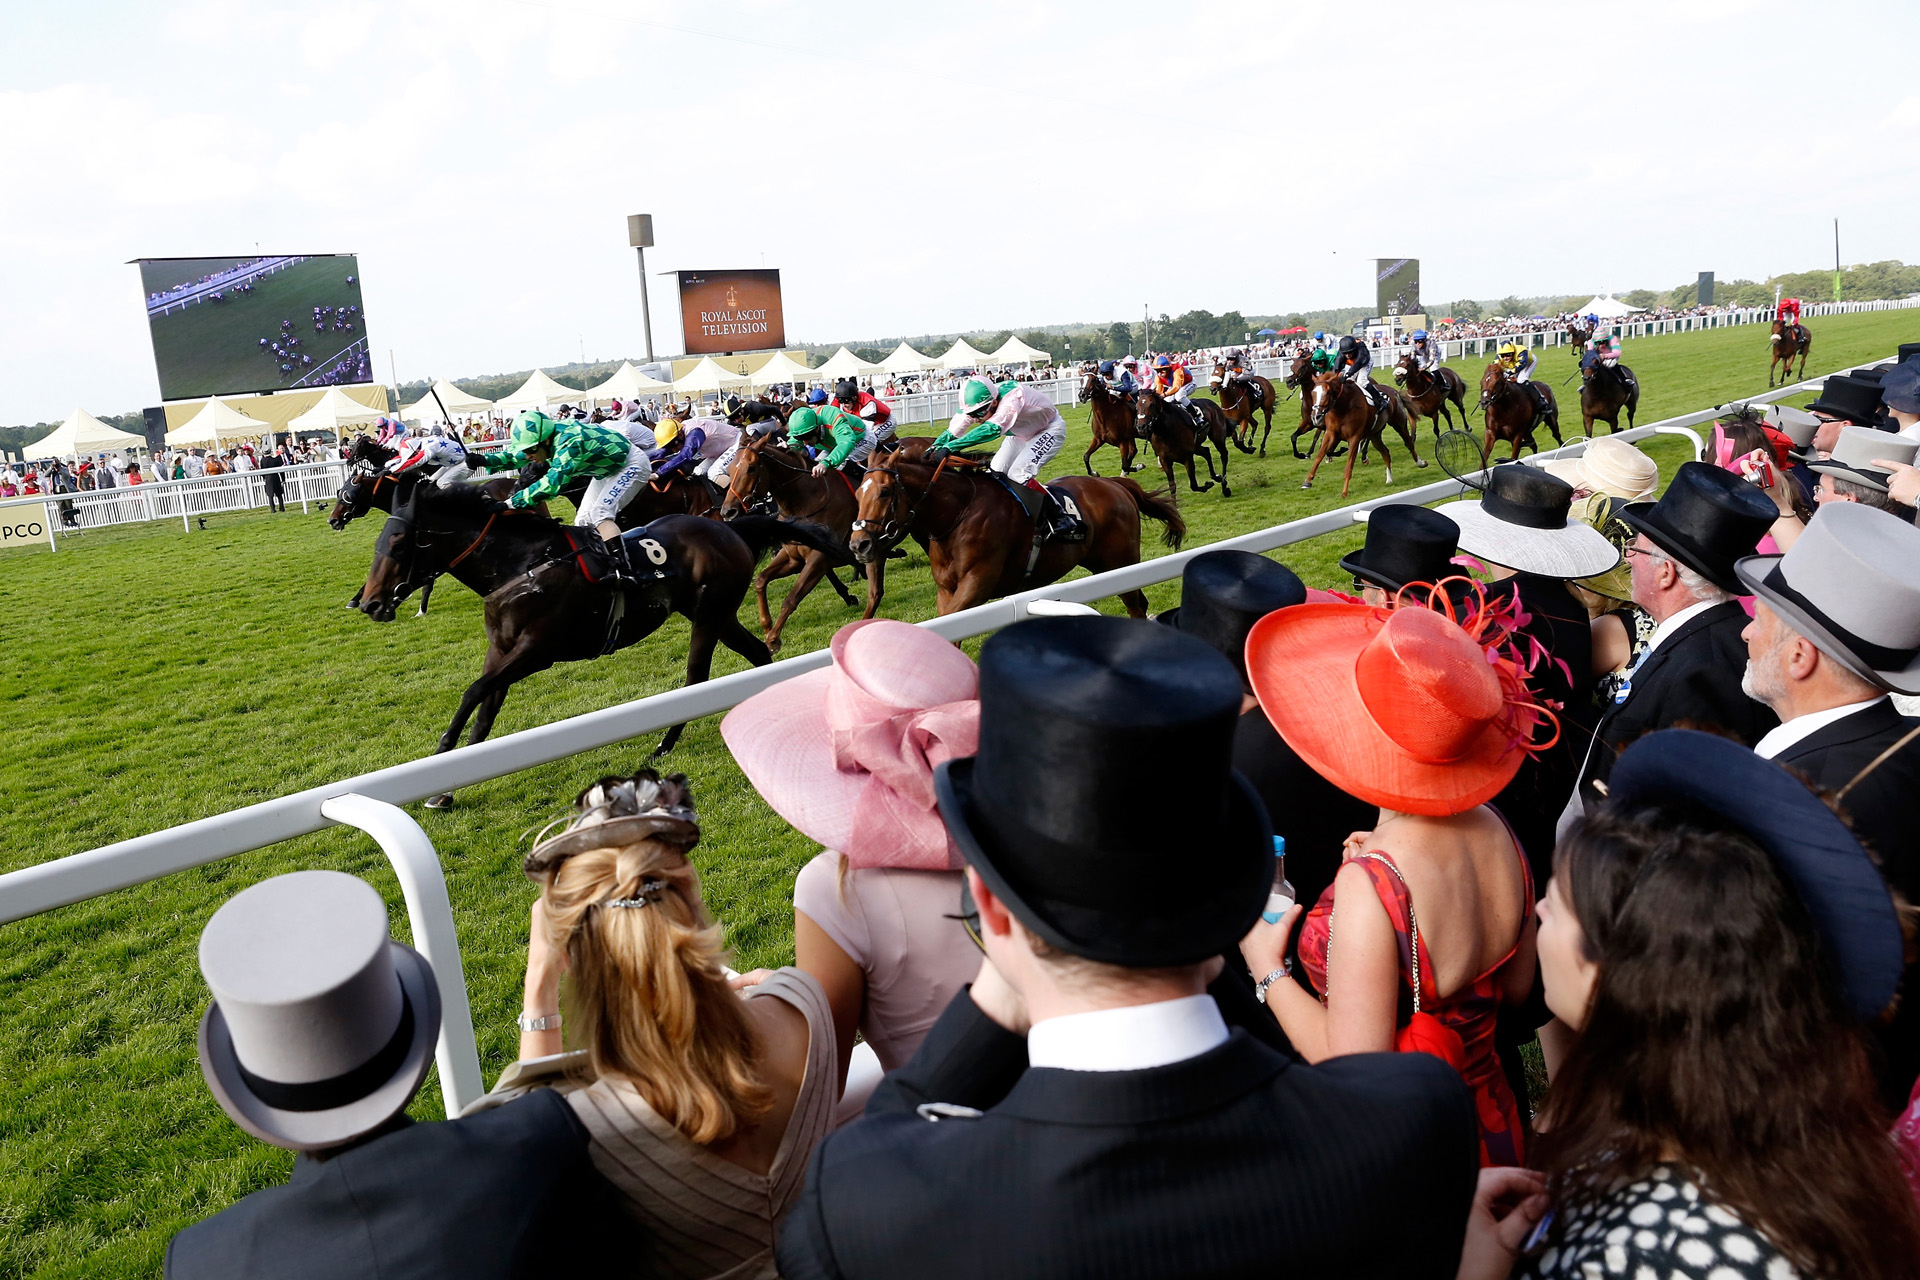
[[648, 995]]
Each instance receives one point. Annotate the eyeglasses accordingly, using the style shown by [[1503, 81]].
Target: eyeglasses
[[969, 916], [1649, 552]]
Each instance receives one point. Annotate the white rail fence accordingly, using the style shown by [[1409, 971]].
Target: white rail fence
[[181, 500], [369, 801]]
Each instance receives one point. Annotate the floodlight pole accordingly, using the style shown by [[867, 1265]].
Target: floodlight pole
[[640, 236]]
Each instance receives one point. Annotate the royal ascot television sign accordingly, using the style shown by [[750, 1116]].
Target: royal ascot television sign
[[723, 311]]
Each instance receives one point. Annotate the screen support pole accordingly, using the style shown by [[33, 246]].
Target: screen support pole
[[646, 312]]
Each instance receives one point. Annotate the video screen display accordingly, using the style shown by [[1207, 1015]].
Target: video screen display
[[258, 323], [727, 311], [1397, 286]]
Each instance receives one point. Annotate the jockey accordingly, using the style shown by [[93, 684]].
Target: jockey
[[1426, 353], [443, 460], [707, 442], [824, 423], [1033, 431], [1354, 362], [876, 414], [1789, 317], [1126, 384], [1172, 383], [1520, 363], [391, 431], [618, 468], [1602, 354]]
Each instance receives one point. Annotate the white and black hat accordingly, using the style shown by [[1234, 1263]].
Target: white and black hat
[[321, 1027], [1855, 450], [1851, 585], [1522, 522]]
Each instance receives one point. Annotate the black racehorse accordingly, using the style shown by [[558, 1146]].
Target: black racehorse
[[546, 600]]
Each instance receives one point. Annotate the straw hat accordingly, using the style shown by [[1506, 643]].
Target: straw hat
[[1403, 708], [847, 754], [1613, 467]]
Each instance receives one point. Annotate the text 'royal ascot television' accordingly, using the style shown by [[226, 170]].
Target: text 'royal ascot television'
[[724, 311], [262, 322]]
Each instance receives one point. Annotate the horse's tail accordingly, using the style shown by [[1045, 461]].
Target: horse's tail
[[1157, 505], [763, 533]]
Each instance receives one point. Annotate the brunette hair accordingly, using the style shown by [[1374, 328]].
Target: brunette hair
[[1717, 1033], [647, 991]]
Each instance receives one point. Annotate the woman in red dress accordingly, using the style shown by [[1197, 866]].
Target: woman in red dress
[[1427, 718]]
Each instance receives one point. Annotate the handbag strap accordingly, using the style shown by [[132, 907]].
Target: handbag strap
[[1878, 760], [1413, 924]]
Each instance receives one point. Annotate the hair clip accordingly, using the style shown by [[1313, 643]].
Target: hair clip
[[649, 890]]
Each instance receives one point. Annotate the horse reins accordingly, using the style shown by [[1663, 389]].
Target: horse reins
[[485, 529]]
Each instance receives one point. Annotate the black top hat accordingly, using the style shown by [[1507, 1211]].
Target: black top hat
[[1707, 519], [1051, 812], [1908, 350], [1855, 399], [1223, 593], [1405, 544]]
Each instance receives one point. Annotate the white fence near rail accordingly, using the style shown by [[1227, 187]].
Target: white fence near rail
[[370, 801], [181, 500]]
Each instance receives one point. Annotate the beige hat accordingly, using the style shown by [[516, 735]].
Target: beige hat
[[1855, 450], [1608, 466]]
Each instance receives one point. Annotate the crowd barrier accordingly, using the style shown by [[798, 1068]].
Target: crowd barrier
[[181, 499], [370, 801]]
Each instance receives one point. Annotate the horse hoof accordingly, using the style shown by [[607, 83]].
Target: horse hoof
[[773, 644], [1306, 484], [1224, 491], [1420, 462], [442, 801]]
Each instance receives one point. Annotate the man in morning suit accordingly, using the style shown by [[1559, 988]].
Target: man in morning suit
[[1082, 1110], [1836, 624]]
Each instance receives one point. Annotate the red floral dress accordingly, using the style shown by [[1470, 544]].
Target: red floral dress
[[1459, 1028]]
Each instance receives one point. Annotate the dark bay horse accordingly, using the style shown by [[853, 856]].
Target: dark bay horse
[[1111, 417], [545, 602], [752, 411], [1340, 411], [979, 540], [1240, 406], [1579, 335], [1508, 412], [1177, 440], [1786, 345], [1604, 392], [1427, 394], [766, 468]]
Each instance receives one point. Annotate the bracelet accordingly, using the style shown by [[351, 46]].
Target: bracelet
[[1261, 987], [547, 1022]]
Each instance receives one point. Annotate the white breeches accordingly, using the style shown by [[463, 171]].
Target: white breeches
[[1020, 460], [875, 433], [458, 473], [606, 495]]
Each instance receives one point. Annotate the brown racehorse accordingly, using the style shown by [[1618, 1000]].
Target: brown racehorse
[[1508, 412], [1785, 347], [978, 538], [1604, 392], [1176, 440], [1300, 378], [1340, 412], [765, 467], [1112, 420], [1579, 336], [1427, 393], [1240, 407]]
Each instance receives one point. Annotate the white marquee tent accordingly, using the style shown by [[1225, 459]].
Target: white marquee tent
[[335, 411], [1607, 308], [782, 368], [963, 355], [628, 383], [707, 376], [1014, 351], [844, 364], [82, 433], [456, 401], [539, 392], [216, 424], [904, 359]]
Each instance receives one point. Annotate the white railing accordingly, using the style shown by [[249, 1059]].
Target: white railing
[[939, 406], [182, 499], [368, 801]]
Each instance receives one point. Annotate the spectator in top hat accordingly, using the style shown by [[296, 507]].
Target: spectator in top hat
[[1682, 559], [1843, 400], [320, 1031], [1083, 1109], [1837, 625], [1900, 392], [1853, 471], [1405, 546]]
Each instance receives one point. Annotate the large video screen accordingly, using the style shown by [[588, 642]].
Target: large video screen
[[723, 311], [1396, 288], [260, 323]]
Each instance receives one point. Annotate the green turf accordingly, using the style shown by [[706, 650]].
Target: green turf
[[213, 348], [151, 676]]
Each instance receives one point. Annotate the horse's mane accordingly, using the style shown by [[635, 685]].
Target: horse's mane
[[367, 449], [464, 499]]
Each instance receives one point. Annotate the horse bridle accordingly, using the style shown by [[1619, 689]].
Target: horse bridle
[[892, 531], [796, 469], [350, 502]]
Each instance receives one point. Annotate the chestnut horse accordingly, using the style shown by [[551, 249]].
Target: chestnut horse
[[1508, 412], [978, 538], [1176, 440], [1112, 420], [1240, 407], [765, 467], [1604, 392], [1340, 412], [1300, 378], [1427, 393], [1786, 345]]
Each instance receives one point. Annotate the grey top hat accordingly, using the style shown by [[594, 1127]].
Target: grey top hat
[[1855, 450], [321, 1027], [1851, 585]]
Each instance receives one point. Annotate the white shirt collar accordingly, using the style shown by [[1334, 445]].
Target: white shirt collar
[[1132, 1038], [1782, 736], [1673, 623]]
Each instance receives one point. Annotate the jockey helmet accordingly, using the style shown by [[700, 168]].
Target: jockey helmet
[[817, 396], [1106, 368], [530, 429], [1509, 353], [978, 397], [667, 434], [1318, 335], [1419, 335], [1347, 343], [1162, 362], [846, 391], [804, 422]]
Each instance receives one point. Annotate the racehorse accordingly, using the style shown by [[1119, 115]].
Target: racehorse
[[1579, 336], [1340, 411], [1112, 420], [1300, 378], [752, 411], [1427, 393], [1508, 412], [1786, 345], [1175, 439], [1239, 404], [766, 467], [545, 602], [978, 538], [1604, 391]]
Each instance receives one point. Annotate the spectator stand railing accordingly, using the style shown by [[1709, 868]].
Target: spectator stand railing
[[183, 499], [370, 801]]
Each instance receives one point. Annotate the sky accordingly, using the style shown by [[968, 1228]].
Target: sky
[[918, 168]]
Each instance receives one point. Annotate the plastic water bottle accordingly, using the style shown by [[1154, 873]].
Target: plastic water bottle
[[1280, 898]]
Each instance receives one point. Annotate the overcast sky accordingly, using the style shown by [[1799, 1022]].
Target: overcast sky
[[920, 168]]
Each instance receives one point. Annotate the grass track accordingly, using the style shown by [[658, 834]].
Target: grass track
[[151, 676]]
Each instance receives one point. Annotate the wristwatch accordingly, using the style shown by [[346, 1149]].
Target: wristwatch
[[1260, 988], [547, 1022]]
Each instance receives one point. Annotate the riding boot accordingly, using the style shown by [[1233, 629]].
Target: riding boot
[[1033, 498], [1063, 520]]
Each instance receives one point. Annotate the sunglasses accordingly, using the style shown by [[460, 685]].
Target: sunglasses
[[969, 916]]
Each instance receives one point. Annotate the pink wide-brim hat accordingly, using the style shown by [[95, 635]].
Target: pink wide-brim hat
[[846, 755]]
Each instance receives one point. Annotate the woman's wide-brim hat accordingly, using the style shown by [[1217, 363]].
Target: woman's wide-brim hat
[[1522, 522], [615, 812], [1707, 519], [1851, 585], [1612, 467], [1844, 894], [1401, 708], [846, 754]]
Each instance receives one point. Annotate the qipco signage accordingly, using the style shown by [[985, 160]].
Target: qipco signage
[[18, 527]]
